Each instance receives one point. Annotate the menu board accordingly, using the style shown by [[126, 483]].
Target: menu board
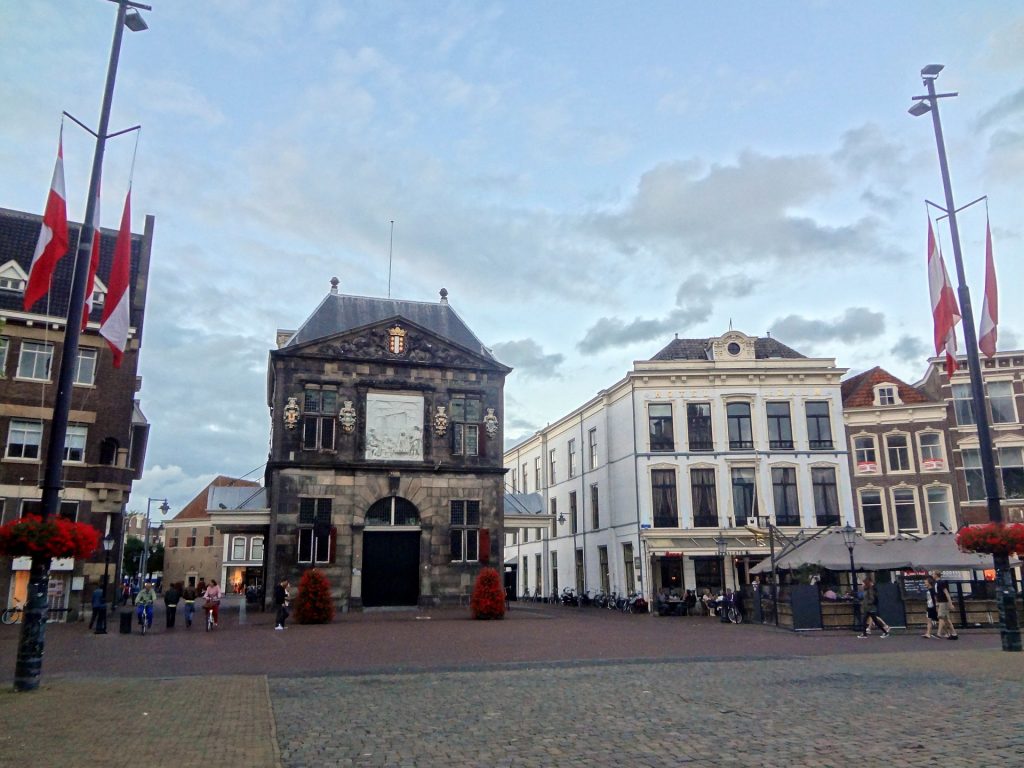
[[914, 584]]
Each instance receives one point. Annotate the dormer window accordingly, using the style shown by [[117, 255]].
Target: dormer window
[[887, 394], [12, 277]]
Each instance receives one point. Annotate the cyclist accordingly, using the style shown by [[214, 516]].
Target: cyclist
[[188, 595], [212, 596], [144, 603]]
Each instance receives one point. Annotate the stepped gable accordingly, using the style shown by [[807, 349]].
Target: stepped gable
[[698, 349], [858, 391], [339, 313], [196, 509]]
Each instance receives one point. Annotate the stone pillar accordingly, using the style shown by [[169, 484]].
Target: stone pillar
[[427, 585], [355, 599]]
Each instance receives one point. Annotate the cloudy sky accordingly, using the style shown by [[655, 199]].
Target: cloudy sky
[[585, 178]]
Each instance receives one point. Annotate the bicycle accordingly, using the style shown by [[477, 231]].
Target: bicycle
[[14, 614], [210, 623], [145, 616]]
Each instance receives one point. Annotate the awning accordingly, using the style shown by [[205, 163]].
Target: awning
[[939, 550], [829, 550]]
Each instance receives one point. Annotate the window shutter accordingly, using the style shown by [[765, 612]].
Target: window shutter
[[484, 555], [334, 543]]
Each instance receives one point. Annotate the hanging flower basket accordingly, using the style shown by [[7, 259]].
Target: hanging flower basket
[[992, 538], [54, 537]]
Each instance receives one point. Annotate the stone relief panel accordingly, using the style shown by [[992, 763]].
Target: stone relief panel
[[394, 427]]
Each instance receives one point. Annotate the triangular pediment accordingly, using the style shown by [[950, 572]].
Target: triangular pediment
[[395, 340]]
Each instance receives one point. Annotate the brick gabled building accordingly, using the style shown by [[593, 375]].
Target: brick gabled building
[[899, 456], [107, 431], [385, 466]]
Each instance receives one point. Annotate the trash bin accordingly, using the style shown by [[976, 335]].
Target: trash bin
[[126, 622]]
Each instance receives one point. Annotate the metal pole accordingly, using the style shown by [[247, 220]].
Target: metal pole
[[33, 628], [144, 560], [853, 588], [1010, 627]]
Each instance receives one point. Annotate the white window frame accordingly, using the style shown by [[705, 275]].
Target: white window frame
[[887, 391], [467, 527], [907, 448], [882, 500], [949, 514], [37, 351], [86, 353], [5, 346], [963, 404], [974, 465], [75, 442], [1010, 397], [861, 464], [256, 549], [572, 458], [924, 461], [895, 512], [25, 428], [237, 543], [1003, 451]]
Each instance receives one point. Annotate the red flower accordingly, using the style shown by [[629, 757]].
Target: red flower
[[992, 538], [32, 536]]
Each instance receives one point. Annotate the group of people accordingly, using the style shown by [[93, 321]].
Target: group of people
[[177, 594], [938, 601]]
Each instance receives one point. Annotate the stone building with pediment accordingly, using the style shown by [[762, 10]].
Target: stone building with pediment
[[385, 467]]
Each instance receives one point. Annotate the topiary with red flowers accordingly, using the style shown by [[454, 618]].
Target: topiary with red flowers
[[488, 601], [314, 605], [54, 537], [992, 538]]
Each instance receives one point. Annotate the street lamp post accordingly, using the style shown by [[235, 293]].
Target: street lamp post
[[722, 545], [850, 539], [101, 619], [32, 640], [1010, 627], [165, 507]]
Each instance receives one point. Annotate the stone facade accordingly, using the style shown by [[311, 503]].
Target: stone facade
[[392, 408]]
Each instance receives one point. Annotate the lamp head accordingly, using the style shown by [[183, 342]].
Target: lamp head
[[134, 21], [849, 535], [920, 108], [108, 543], [931, 71], [165, 507]]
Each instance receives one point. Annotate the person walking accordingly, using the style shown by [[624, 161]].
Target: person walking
[[869, 609], [943, 603], [99, 610], [930, 607], [171, 598], [281, 600], [188, 595]]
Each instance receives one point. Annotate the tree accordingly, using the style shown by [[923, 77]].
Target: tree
[[155, 564], [132, 559], [488, 601], [314, 605]]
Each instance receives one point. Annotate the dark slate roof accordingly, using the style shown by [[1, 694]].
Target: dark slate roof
[[197, 508], [699, 349], [859, 391], [524, 504], [18, 235], [339, 313]]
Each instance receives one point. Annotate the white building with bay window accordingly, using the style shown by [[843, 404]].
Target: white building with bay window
[[703, 443]]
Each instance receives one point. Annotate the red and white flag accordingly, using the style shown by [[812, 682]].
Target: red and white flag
[[115, 320], [990, 309], [94, 262], [53, 235], [945, 312]]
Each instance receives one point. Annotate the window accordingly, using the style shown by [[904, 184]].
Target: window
[[85, 367], [663, 497], [595, 515], [108, 451], [871, 511], [897, 452], [238, 548], [592, 443], [208, 540], [173, 540], [1000, 401], [319, 411], [572, 458], [465, 531], [629, 567], [525, 477], [932, 458], [744, 494], [74, 443], [11, 282], [256, 549], [741, 436], [698, 426], [466, 417], [551, 466], [24, 438], [705, 501], [885, 395], [392, 510], [190, 541], [35, 360], [554, 516], [575, 527], [5, 344], [580, 573], [538, 573], [314, 530], [512, 476], [68, 509], [939, 508], [973, 476], [866, 455], [602, 561], [1011, 467], [784, 493], [819, 428], [659, 415], [554, 572], [526, 576], [963, 405], [536, 474], [826, 497], [904, 503], [780, 427]]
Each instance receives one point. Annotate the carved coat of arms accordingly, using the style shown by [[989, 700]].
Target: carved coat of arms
[[291, 413], [440, 421], [347, 417], [491, 423]]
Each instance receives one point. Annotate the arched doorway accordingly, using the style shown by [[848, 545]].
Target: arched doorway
[[391, 553]]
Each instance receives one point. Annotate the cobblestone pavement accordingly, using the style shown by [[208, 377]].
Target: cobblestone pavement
[[547, 686]]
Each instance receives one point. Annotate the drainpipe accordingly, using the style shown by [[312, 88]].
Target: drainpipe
[[641, 548]]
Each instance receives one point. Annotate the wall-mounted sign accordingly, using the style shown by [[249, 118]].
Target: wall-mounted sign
[[394, 427]]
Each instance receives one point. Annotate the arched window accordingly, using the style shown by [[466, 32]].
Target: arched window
[[393, 510], [108, 451]]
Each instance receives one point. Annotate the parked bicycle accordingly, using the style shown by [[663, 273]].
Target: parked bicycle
[[13, 614]]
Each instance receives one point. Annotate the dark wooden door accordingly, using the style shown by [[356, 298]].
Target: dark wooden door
[[391, 564]]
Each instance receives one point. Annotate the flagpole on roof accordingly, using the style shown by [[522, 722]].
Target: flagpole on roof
[[1010, 630]]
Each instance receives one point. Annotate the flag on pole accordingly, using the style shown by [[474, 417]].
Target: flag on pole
[[94, 262], [115, 320], [53, 235], [945, 312], [990, 309]]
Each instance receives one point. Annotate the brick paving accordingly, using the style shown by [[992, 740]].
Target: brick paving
[[548, 686]]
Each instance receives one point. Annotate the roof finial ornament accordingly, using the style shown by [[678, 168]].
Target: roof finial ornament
[[334, 285], [444, 295], [730, 323]]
